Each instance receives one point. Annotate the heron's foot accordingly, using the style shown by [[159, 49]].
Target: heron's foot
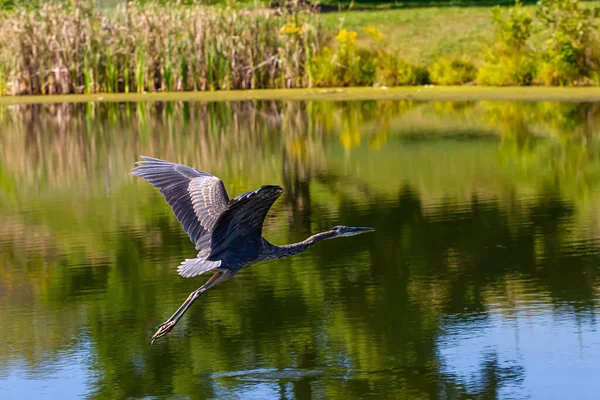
[[163, 329]]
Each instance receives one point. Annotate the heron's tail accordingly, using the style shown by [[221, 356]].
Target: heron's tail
[[196, 266]]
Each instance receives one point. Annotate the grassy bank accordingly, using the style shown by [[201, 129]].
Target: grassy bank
[[75, 49], [438, 93]]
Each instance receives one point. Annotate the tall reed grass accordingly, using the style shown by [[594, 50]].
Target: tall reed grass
[[61, 48]]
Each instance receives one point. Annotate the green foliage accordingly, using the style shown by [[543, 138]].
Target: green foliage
[[346, 65], [514, 31], [452, 71], [510, 70], [393, 71], [7, 5], [11, 5], [556, 71], [509, 61], [570, 50]]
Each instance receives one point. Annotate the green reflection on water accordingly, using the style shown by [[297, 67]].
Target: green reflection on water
[[478, 206]]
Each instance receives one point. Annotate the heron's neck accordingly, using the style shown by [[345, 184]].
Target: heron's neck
[[273, 251]]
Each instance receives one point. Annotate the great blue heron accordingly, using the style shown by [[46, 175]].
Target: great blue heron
[[227, 233]]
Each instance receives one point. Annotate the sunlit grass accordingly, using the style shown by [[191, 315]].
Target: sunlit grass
[[422, 35]]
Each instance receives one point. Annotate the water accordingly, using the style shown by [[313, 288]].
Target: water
[[481, 281]]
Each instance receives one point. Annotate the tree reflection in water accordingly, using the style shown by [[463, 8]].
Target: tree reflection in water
[[485, 213]]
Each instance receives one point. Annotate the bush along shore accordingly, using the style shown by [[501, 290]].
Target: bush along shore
[[63, 47]]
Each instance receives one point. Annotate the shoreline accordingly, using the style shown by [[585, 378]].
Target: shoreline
[[419, 93]]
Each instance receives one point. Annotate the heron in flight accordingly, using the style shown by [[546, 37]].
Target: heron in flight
[[227, 233]]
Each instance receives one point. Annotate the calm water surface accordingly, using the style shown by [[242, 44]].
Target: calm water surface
[[481, 281]]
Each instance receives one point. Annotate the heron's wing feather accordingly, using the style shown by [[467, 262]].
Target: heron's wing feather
[[196, 266], [197, 198], [209, 199], [241, 223]]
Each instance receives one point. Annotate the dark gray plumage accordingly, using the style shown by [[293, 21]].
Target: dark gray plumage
[[227, 233]]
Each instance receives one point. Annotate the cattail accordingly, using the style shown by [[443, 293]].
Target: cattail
[[62, 48]]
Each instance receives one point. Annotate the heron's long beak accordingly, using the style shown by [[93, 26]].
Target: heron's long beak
[[358, 231]]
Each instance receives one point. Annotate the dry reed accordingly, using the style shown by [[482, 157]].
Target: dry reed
[[61, 48]]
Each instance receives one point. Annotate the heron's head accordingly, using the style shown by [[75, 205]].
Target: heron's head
[[343, 231]]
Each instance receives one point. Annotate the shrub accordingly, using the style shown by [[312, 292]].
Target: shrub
[[570, 51], [346, 65], [509, 61], [512, 70], [555, 71], [393, 71], [452, 71]]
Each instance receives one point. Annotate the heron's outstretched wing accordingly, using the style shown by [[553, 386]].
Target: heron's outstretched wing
[[196, 197], [237, 234]]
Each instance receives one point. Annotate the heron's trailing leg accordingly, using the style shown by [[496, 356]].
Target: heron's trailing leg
[[168, 325]]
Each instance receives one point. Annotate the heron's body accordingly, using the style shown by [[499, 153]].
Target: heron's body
[[227, 233]]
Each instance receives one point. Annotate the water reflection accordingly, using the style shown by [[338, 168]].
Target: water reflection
[[481, 281]]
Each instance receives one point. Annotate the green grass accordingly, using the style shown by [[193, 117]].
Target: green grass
[[422, 35], [380, 4]]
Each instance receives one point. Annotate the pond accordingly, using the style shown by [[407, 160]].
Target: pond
[[482, 279]]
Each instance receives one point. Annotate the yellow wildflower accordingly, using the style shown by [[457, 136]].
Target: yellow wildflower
[[291, 29], [346, 38]]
